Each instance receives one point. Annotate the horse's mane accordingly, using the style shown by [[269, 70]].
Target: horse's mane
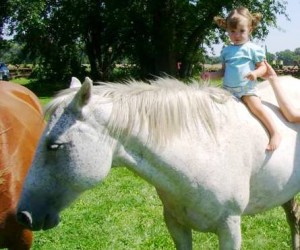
[[165, 107]]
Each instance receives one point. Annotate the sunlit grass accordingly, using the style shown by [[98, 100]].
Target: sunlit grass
[[124, 213], [22, 81]]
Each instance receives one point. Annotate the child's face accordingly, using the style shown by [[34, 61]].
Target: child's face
[[240, 34]]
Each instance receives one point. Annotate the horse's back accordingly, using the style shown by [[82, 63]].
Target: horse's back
[[275, 181], [239, 160], [290, 85], [21, 124], [17, 94]]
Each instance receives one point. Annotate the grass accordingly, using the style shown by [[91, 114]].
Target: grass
[[44, 93], [124, 212]]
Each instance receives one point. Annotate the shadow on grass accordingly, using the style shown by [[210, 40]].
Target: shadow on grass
[[45, 89]]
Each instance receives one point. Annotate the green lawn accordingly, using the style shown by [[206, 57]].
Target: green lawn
[[124, 213]]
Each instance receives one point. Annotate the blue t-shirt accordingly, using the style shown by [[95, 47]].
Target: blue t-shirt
[[239, 60]]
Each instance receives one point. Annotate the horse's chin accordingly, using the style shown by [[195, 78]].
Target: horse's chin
[[46, 222], [50, 221]]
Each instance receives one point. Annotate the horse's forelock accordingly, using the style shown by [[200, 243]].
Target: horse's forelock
[[61, 98]]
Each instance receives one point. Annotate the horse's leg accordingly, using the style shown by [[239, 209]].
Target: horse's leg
[[182, 236], [229, 233], [292, 212]]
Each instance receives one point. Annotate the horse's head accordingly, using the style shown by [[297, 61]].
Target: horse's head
[[72, 156]]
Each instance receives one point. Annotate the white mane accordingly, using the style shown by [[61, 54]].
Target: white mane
[[165, 106]]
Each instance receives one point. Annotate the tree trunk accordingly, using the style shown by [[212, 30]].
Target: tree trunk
[[163, 38]]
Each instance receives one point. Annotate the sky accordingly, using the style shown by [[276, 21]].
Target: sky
[[287, 37]]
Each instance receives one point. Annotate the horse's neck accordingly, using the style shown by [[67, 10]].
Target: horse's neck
[[162, 164]]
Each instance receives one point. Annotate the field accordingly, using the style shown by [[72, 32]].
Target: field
[[124, 212]]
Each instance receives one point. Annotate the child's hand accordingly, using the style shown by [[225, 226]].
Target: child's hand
[[205, 76], [251, 76]]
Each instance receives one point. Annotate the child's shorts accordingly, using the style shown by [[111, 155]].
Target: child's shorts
[[239, 92]]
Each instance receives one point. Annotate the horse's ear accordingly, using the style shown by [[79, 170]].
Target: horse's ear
[[83, 95], [75, 83], [87, 79]]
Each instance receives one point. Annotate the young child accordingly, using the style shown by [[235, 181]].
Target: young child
[[242, 64]]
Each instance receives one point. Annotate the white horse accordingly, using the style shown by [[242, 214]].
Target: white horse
[[199, 146]]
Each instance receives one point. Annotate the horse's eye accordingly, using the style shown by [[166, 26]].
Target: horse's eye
[[55, 146]]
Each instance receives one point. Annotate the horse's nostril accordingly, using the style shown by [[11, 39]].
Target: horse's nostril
[[25, 218]]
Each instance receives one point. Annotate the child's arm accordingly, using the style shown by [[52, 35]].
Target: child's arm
[[260, 70]]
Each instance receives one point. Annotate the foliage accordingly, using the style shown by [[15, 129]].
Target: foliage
[[213, 59], [13, 53], [153, 35], [289, 57]]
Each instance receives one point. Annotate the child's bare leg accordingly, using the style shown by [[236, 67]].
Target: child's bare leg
[[256, 107]]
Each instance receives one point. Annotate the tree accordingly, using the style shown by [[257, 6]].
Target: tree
[[297, 51], [289, 57], [178, 29], [154, 35], [12, 52]]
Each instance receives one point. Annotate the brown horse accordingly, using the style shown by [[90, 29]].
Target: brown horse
[[21, 124]]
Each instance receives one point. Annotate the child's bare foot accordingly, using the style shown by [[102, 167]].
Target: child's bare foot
[[274, 142]]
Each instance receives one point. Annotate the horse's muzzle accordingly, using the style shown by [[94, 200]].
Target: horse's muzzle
[[25, 218]]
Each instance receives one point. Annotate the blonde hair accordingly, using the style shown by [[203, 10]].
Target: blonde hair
[[233, 18]]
